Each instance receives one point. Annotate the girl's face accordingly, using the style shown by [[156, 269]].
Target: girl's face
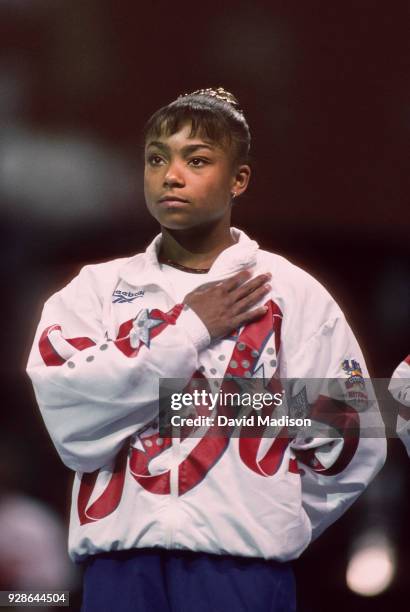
[[189, 181]]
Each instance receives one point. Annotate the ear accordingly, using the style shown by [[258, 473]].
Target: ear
[[240, 180]]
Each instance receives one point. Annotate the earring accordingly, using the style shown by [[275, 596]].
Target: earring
[[233, 194]]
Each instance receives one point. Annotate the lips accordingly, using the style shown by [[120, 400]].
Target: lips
[[171, 202], [169, 199]]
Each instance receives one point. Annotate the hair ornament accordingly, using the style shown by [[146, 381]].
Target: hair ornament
[[220, 93]]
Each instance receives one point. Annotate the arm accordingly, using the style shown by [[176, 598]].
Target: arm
[[337, 464], [94, 393], [399, 387]]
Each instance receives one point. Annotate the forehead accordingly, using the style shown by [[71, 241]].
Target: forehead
[[180, 139], [186, 135]]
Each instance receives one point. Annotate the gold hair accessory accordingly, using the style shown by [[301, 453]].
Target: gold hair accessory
[[220, 93]]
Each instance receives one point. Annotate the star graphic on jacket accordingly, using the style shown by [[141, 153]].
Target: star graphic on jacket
[[141, 328]]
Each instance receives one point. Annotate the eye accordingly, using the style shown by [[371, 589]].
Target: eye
[[155, 160], [198, 162]]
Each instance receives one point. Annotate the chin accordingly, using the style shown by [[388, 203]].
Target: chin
[[175, 220], [175, 225]]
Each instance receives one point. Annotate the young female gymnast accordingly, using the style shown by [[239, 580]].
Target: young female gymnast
[[198, 522]]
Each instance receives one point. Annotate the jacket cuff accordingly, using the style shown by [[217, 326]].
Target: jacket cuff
[[195, 328]]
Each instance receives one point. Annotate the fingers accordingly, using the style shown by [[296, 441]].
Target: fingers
[[228, 304], [250, 300], [250, 315], [238, 283], [248, 288], [206, 286], [236, 280]]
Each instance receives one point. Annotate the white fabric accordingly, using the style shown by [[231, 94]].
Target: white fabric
[[100, 399], [399, 387], [183, 282]]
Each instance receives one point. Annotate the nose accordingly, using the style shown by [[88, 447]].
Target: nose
[[174, 176]]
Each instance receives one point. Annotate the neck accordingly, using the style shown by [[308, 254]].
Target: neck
[[195, 249]]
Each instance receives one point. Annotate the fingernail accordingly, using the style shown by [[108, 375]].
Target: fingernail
[[268, 286]]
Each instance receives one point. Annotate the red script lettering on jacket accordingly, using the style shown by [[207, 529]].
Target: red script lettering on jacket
[[210, 448]]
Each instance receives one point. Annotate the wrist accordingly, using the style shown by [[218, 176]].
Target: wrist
[[195, 328]]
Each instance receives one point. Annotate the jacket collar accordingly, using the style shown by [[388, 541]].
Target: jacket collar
[[144, 269]]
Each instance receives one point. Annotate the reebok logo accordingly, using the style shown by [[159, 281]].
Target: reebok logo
[[126, 297]]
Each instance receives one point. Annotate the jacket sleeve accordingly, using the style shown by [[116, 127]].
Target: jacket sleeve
[[399, 388], [345, 447], [94, 393]]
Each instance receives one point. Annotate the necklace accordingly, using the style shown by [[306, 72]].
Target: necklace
[[179, 266]]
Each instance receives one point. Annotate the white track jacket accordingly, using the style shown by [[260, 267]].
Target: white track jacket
[[399, 387], [102, 345]]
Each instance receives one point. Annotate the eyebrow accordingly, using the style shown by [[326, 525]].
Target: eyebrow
[[187, 149]]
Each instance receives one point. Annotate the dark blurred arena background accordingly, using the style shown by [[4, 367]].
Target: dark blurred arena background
[[325, 87]]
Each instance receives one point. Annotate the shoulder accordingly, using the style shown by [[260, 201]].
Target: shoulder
[[403, 369], [107, 270], [93, 281], [304, 301], [293, 281], [287, 272]]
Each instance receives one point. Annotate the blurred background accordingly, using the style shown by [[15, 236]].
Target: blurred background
[[326, 90]]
